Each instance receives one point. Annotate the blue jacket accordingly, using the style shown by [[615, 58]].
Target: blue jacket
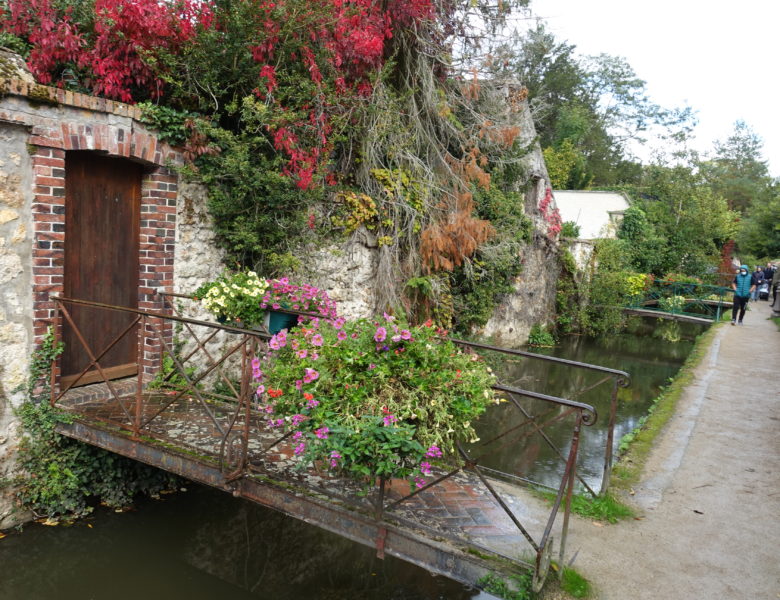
[[743, 283]]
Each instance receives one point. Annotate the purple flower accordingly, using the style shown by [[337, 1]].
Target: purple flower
[[297, 436], [260, 390], [406, 334], [297, 420], [389, 419], [339, 323], [396, 338], [342, 335], [300, 449], [425, 468], [322, 433], [434, 452], [295, 344], [310, 375], [274, 343], [388, 318], [380, 335], [302, 353], [313, 403], [371, 366], [334, 459], [419, 482], [316, 340], [299, 384]]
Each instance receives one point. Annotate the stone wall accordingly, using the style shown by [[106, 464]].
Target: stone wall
[[196, 256], [347, 271], [16, 306]]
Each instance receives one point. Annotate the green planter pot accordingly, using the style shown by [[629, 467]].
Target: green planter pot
[[279, 320]]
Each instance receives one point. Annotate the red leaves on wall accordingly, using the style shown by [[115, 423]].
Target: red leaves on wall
[[338, 45]]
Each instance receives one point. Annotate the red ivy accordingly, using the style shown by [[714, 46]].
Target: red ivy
[[337, 44], [551, 216]]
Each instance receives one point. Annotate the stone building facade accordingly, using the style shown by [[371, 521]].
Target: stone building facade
[[40, 128]]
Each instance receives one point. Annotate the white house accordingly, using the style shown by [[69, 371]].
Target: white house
[[598, 215]]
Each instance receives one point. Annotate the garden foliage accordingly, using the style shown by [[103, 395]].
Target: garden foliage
[[302, 116]]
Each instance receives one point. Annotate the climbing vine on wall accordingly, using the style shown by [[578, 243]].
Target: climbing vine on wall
[[293, 112]]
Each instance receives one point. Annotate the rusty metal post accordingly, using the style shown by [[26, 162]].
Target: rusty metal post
[[606, 475], [380, 505], [575, 442], [140, 382], [53, 367]]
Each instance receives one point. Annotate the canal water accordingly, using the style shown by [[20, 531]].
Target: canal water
[[205, 544], [650, 350]]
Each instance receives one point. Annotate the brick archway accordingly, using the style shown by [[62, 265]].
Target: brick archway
[[111, 129]]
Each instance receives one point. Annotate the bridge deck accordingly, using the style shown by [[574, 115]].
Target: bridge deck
[[456, 528]]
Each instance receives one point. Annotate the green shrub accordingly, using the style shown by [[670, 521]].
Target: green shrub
[[540, 337], [570, 229]]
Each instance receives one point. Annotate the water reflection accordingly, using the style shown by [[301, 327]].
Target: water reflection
[[205, 544], [645, 351]]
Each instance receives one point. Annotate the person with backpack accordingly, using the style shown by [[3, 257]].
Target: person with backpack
[[743, 287]]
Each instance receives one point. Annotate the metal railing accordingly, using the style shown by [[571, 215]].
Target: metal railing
[[226, 426], [683, 299], [613, 377]]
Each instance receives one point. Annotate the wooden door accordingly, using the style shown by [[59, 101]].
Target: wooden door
[[102, 218]]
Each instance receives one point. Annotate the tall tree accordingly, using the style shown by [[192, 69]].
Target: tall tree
[[591, 106], [738, 172]]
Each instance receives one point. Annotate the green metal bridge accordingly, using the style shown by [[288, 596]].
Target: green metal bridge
[[691, 302]]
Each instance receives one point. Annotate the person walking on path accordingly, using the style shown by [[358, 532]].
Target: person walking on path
[[758, 279], [743, 287]]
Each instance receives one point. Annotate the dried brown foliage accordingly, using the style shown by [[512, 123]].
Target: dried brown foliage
[[445, 244]]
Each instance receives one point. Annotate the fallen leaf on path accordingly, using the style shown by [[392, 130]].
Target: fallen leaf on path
[[698, 512], [598, 524], [2, 535], [632, 492]]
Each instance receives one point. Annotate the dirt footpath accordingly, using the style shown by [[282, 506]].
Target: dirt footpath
[[710, 494]]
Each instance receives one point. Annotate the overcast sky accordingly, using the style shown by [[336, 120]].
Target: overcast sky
[[721, 58]]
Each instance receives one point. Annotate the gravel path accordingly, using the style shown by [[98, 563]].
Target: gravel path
[[710, 494]]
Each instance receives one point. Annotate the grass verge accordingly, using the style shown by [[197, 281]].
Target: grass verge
[[777, 321], [636, 446], [601, 508]]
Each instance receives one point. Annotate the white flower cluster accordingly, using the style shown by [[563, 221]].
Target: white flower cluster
[[224, 295]]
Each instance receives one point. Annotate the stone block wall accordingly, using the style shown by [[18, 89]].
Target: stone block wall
[[16, 306]]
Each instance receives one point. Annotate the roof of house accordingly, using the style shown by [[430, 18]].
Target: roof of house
[[591, 211]]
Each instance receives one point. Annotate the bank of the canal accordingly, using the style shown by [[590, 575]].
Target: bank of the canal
[[709, 496]]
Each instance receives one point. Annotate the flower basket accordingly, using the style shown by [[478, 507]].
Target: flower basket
[[371, 399]]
